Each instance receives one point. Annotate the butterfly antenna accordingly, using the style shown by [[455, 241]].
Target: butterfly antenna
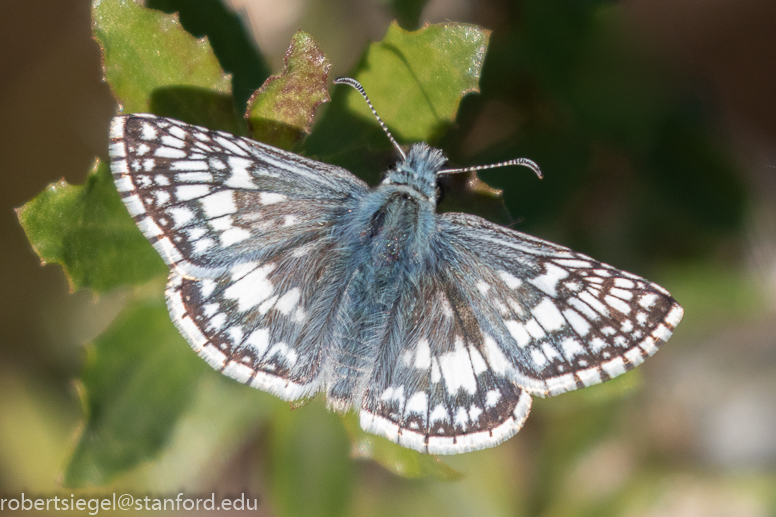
[[524, 162], [355, 84]]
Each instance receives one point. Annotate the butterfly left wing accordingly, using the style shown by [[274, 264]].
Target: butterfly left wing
[[504, 316], [561, 320], [207, 199]]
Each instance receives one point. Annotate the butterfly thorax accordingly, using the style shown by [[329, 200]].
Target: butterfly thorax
[[418, 171]]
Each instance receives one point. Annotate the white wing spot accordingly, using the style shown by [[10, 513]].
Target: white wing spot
[[270, 198], [548, 315], [618, 304], [173, 142], [597, 344], [457, 369], [423, 355], [438, 414], [478, 363], [218, 204], [169, 152], [511, 281], [288, 301], [535, 329], [233, 236], [148, 132], [538, 358], [436, 375], [252, 289], [648, 300], [462, 417], [577, 322], [418, 403], [494, 355], [189, 165], [550, 352], [259, 341], [518, 333], [571, 348], [474, 412], [548, 282], [188, 192], [621, 293], [240, 177], [483, 287], [492, 397], [161, 179], [181, 215]]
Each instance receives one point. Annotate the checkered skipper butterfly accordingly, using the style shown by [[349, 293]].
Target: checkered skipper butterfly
[[294, 277]]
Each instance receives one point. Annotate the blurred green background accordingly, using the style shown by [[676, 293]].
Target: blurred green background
[[654, 123]]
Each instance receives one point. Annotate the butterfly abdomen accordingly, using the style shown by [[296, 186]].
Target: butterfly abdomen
[[389, 244]]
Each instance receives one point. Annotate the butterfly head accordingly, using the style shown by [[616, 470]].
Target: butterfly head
[[418, 170]]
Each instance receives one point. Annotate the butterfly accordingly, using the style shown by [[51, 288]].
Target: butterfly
[[295, 277]]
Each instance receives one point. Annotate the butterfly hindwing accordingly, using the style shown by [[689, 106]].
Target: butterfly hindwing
[[439, 394], [263, 323]]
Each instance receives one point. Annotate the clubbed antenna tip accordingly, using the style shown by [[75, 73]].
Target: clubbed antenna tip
[[524, 162]]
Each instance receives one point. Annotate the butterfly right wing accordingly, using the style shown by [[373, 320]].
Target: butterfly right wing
[[207, 199], [246, 229], [559, 320], [502, 316]]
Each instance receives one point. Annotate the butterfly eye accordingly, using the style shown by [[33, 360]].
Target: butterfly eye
[[440, 191]]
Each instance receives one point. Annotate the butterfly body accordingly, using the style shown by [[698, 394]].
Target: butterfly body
[[294, 277], [388, 241]]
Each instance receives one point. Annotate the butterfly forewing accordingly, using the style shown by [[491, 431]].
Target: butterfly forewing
[[204, 198], [561, 319]]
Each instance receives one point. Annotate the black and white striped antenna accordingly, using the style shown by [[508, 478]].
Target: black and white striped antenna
[[355, 84], [524, 162]]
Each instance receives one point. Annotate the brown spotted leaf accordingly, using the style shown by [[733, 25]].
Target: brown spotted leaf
[[281, 112]]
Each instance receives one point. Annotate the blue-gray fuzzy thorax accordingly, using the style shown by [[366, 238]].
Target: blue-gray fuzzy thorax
[[418, 170]]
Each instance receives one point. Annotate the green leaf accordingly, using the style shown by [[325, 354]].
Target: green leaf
[[310, 472], [282, 110], [415, 80], [395, 458], [153, 65], [139, 378], [88, 231], [231, 40]]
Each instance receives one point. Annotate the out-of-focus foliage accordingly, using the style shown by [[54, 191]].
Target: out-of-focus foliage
[[136, 383]]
